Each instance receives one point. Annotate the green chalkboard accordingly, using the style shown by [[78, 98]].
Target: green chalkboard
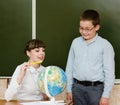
[[15, 30], [57, 25], [58, 22]]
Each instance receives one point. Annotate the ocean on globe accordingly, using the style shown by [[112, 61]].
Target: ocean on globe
[[52, 81]]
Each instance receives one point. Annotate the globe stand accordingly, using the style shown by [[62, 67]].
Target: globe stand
[[52, 101]]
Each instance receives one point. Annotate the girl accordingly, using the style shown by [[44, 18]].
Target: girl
[[23, 85]]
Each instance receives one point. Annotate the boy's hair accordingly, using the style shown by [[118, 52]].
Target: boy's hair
[[33, 43], [91, 15]]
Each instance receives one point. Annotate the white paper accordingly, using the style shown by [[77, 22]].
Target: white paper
[[61, 102]]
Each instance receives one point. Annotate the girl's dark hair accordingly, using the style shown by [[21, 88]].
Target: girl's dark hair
[[34, 43], [91, 15]]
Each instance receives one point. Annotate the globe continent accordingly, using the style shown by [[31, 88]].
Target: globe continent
[[52, 80]]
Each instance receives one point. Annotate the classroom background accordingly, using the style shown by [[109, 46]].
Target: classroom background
[[57, 24]]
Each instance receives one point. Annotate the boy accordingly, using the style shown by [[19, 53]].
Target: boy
[[90, 65]]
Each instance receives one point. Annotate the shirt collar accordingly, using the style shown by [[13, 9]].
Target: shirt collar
[[34, 70], [93, 40]]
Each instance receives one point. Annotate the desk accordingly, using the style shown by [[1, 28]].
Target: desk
[[3, 102]]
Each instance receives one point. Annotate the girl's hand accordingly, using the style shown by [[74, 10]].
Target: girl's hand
[[45, 97], [24, 67]]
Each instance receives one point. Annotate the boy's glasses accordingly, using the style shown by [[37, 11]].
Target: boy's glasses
[[86, 29]]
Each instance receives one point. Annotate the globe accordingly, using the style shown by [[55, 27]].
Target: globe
[[52, 81]]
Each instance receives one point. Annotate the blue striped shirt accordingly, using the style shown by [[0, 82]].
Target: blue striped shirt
[[92, 61]]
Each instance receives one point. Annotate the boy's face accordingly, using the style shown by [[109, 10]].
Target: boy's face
[[88, 30]]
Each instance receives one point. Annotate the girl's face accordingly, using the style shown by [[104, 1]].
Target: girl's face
[[36, 54], [88, 30]]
